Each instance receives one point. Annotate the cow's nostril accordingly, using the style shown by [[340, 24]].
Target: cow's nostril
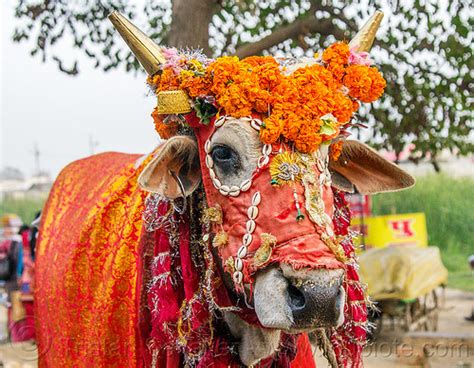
[[297, 299]]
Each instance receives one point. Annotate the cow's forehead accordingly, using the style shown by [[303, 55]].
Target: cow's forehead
[[238, 132]]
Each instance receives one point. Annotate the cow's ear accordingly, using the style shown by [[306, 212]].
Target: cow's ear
[[362, 168], [175, 164]]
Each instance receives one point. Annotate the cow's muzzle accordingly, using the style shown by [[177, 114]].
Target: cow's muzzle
[[314, 304], [299, 300]]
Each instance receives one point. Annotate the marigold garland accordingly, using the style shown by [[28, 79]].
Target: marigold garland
[[335, 150], [164, 130], [291, 105]]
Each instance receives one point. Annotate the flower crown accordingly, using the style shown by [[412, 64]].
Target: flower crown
[[305, 103], [307, 107]]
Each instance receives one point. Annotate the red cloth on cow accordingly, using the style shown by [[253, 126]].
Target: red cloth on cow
[[86, 265], [276, 216], [200, 334]]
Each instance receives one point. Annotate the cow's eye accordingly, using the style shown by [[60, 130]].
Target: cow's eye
[[225, 158]]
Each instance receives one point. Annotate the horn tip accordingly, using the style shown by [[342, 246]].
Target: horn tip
[[113, 15], [365, 37]]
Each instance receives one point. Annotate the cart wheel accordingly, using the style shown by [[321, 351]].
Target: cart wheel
[[408, 316], [432, 310], [376, 320], [415, 311]]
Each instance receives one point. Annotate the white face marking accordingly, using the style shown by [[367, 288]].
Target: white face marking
[[235, 149]]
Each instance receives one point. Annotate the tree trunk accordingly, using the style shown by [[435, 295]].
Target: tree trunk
[[190, 24], [436, 166]]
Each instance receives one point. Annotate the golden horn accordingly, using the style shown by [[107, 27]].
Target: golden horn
[[146, 51], [364, 39]]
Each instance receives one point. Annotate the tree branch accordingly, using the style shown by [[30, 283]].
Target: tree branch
[[291, 31]]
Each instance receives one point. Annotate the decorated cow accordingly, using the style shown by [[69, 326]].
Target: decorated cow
[[229, 244]]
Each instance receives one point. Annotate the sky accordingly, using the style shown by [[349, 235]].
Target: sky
[[59, 113]]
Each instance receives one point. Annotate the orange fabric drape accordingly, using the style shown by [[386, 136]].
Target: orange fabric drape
[[86, 271]]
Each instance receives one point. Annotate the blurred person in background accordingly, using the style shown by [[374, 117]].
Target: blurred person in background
[[17, 271], [11, 252]]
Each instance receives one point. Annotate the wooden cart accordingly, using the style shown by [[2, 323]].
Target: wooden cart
[[407, 284]]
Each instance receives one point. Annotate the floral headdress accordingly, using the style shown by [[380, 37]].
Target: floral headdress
[[306, 103]]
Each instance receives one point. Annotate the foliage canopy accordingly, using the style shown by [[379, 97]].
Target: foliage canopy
[[424, 50]]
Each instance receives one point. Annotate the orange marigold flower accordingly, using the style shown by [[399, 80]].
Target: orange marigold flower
[[309, 138], [168, 81], [234, 102], [378, 85], [272, 129], [165, 131], [335, 150], [293, 123], [337, 71], [268, 76], [364, 83], [195, 86], [224, 71], [343, 107], [153, 80], [260, 60], [337, 53], [355, 105]]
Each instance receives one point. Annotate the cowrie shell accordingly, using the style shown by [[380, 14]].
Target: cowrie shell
[[238, 276], [250, 226], [217, 183], [224, 190], [320, 165], [212, 174], [235, 192], [252, 212], [255, 124], [242, 252], [205, 237], [239, 265], [263, 161], [245, 185], [207, 146], [322, 179], [256, 199], [247, 239], [219, 122], [267, 149], [209, 162]]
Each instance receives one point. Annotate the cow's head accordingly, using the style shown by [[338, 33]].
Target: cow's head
[[271, 200]]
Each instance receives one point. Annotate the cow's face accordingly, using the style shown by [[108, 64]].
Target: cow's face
[[276, 214]]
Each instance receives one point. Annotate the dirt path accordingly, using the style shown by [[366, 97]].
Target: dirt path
[[382, 354]]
